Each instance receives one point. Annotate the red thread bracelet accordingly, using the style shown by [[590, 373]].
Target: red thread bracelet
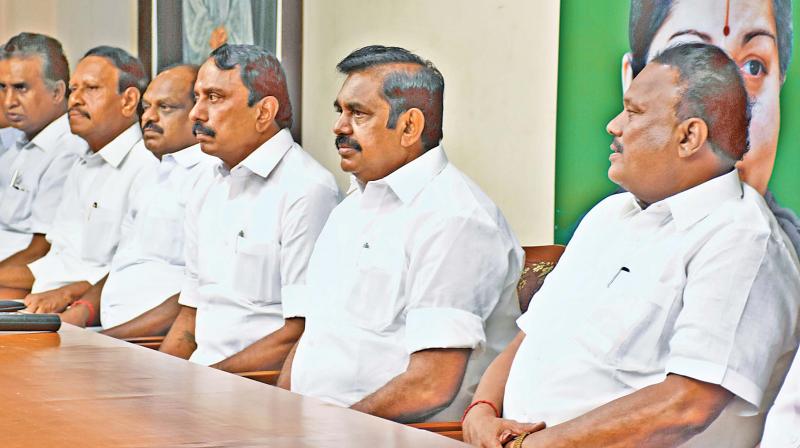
[[89, 305], [475, 403]]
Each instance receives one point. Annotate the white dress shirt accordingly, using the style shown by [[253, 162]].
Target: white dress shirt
[[783, 421], [86, 229], [148, 265], [9, 136], [32, 176], [703, 284], [249, 234], [420, 259]]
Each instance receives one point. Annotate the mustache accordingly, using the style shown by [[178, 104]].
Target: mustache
[[198, 128], [79, 110], [150, 126], [343, 140], [618, 147]]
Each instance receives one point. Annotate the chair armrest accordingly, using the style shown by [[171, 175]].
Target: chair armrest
[[152, 342], [447, 429], [262, 376]]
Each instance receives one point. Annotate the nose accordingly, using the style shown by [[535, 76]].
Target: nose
[[614, 127], [342, 125], [10, 99], [198, 112], [149, 114], [75, 98]]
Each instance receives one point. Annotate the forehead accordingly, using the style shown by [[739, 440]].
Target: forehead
[[23, 67], [657, 85], [211, 76], [170, 84], [363, 87], [708, 17], [96, 69]]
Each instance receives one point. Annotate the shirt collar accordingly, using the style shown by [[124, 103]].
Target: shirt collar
[[266, 157], [47, 138], [407, 181], [690, 206], [187, 157], [116, 150]]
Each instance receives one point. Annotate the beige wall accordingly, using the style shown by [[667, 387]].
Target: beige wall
[[499, 60], [78, 24]]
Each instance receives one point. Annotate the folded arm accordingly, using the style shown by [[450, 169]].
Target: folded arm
[[180, 340], [269, 352], [154, 322], [37, 249]]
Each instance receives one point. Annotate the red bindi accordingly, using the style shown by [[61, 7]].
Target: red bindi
[[727, 29]]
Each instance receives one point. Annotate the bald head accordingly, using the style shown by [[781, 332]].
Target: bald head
[[166, 103]]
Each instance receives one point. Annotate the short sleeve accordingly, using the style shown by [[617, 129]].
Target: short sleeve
[[302, 223], [456, 277], [50, 191], [739, 310], [189, 286]]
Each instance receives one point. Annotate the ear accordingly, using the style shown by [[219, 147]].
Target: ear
[[412, 123], [130, 101], [266, 110], [627, 71], [59, 92], [693, 134]]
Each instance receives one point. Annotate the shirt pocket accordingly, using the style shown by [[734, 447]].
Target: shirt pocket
[[627, 327], [100, 235], [256, 270], [373, 303], [16, 205], [161, 237]]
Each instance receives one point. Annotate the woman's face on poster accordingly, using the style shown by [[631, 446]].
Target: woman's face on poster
[[752, 43]]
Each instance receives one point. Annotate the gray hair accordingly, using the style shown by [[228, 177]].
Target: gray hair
[[54, 64], [647, 17], [712, 89], [422, 89], [262, 74], [131, 71]]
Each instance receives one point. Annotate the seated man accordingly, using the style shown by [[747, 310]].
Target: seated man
[[33, 78], [8, 134], [104, 96], [251, 228], [411, 287], [147, 269], [783, 421], [673, 303]]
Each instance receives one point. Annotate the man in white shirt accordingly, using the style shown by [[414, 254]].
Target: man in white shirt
[[33, 78], [139, 297], [667, 315], [104, 96], [411, 287], [251, 228]]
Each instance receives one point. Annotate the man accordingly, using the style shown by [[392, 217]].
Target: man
[[104, 95], [140, 295], [417, 265], [33, 81], [673, 302], [251, 228], [757, 35], [8, 134]]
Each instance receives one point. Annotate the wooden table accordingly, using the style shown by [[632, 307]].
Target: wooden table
[[76, 388]]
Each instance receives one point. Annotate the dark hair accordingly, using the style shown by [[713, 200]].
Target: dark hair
[[192, 68], [647, 16], [261, 73], [712, 89], [54, 64], [131, 71], [404, 89]]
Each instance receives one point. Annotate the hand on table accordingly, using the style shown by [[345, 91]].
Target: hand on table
[[54, 301], [482, 429]]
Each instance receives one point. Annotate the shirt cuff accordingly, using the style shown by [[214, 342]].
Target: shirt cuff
[[443, 328], [188, 295], [294, 300], [713, 373]]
